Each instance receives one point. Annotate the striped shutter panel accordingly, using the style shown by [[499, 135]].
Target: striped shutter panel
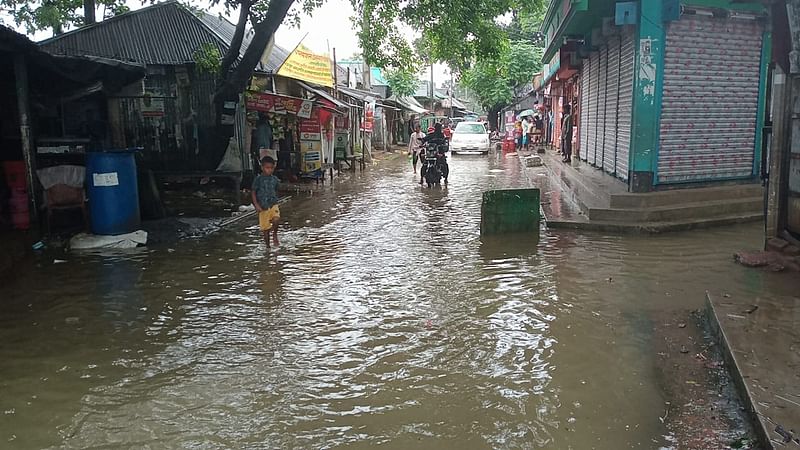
[[710, 104], [602, 113], [612, 105], [626, 65], [584, 99], [594, 87]]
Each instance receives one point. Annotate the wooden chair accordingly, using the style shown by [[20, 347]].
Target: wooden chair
[[61, 197]]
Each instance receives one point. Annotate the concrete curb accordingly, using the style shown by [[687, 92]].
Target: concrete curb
[[732, 366], [629, 228], [652, 228]]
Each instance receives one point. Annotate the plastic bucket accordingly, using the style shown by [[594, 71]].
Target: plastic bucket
[[15, 174], [113, 192], [20, 212]]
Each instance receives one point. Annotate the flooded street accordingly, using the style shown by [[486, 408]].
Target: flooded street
[[382, 319]]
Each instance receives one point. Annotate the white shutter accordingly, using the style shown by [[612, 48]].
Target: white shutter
[[612, 106], [594, 87], [602, 113], [710, 102], [584, 100], [626, 65]]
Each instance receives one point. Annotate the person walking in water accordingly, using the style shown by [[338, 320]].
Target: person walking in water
[[415, 145], [265, 200], [566, 134]]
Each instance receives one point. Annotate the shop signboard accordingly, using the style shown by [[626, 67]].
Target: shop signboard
[[341, 123], [311, 156], [310, 129], [369, 115], [303, 64], [509, 125], [278, 104], [152, 106]]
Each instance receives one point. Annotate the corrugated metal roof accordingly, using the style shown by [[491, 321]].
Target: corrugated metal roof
[[358, 93], [424, 91], [320, 91], [165, 33]]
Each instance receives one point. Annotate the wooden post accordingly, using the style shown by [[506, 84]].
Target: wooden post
[[780, 140], [23, 108], [335, 73]]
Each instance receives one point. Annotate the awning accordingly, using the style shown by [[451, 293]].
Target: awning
[[357, 93], [322, 93], [456, 103], [409, 103]]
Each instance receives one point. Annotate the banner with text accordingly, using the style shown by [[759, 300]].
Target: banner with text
[[278, 104], [304, 65]]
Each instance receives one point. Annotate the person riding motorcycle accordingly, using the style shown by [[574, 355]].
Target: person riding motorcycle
[[436, 137]]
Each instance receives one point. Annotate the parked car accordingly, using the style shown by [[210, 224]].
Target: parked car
[[470, 137]]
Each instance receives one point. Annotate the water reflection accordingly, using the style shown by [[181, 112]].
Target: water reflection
[[382, 319]]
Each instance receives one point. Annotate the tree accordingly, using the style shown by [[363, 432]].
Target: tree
[[493, 80], [402, 82], [58, 15], [456, 32], [525, 24]]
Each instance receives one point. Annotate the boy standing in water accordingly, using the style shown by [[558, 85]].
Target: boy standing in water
[[265, 199]]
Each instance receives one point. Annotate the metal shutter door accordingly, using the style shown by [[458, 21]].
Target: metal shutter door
[[708, 118], [626, 65], [602, 113], [612, 103], [591, 124], [582, 127]]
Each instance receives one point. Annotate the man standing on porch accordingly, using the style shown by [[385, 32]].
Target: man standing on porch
[[566, 134]]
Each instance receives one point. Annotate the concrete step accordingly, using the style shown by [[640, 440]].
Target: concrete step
[[695, 210], [581, 190], [655, 227], [680, 196]]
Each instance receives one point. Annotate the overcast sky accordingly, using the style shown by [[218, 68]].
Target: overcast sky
[[328, 26]]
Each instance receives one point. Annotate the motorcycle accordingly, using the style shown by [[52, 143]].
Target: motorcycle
[[434, 163]]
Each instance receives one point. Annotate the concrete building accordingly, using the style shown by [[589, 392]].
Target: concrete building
[[666, 95]]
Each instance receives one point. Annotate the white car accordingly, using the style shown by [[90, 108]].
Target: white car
[[470, 137]]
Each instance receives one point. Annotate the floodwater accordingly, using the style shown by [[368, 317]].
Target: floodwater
[[382, 319]]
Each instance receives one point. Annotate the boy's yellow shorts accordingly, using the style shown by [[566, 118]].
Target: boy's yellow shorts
[[266, 217]]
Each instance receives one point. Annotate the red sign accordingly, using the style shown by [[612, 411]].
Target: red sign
[[279, 104], [341, 122], [369, 115], [310, 129]]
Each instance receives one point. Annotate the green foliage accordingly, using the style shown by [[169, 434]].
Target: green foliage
[[207, 58], [56, 15], [526, 22], [493, 80], [455, 32], [402, 82]]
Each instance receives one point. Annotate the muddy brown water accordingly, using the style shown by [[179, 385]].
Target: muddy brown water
[[382, 319]]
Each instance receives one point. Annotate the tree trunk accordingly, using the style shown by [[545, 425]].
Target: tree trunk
[[492, 117], [235, 81], [236, 43], [88, 12]]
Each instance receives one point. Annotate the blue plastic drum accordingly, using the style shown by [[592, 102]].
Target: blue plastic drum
[[113, 192]]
